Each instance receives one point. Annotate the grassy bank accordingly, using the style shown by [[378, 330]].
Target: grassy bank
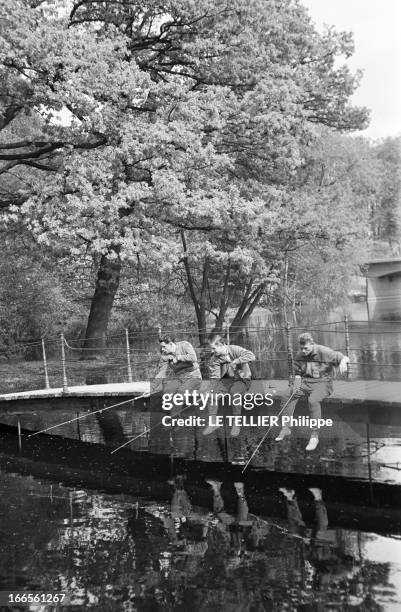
[[28, 375]]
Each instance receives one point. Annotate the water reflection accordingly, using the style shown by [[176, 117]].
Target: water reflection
[[349, 449], [122, 553]]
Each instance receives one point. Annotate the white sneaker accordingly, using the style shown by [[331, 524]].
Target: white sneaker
[[239, 487], [317, 493], [289, 494], [313, 442], [215, 484], [285, 431]]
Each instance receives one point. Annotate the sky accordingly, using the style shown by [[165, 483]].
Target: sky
[[377, 35]]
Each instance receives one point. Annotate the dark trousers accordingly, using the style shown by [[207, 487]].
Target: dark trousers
[[314, 391]]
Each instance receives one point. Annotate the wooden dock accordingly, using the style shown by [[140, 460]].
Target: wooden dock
[[109, 390], [346, 392]]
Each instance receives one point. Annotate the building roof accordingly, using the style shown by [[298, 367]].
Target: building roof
[[383, 267], [384, 260]]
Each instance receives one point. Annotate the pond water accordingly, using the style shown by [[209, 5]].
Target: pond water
[[123, 552], [136, 543]]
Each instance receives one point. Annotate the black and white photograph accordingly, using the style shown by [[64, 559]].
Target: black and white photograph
[[200, 305]]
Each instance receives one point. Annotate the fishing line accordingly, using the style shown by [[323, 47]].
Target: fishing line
[[268, 429], [89, 414], [146, 431]]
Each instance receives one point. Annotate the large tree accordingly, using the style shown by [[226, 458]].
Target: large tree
[[128, 128]]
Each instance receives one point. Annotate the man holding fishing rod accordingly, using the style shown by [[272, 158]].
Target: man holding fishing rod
[[229, 363], [229, 360], [178, 364], [314, 367]]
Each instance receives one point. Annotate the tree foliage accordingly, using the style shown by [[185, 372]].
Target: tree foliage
[[174, 132], [386, 211], [36, 299]]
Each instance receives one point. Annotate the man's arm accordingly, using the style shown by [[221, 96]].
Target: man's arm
[[241, 355], [163, 368], [186, 352], [337, 359]]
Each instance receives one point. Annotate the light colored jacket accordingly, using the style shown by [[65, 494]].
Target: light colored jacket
[[187, 363], [222, 367], [319, 364]]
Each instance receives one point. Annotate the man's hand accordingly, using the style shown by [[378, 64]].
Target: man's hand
[[235, 365], [343, 365], [168, 352]]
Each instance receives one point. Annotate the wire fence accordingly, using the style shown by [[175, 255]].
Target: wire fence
[[374, 350]]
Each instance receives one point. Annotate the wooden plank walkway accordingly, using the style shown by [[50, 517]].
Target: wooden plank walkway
[[383, 392]]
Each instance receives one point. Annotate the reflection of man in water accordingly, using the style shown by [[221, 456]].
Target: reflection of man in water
[[229, 363], [325, 556], [181, 508], [187, 530], [241, 529], [294, 516], [313, 365]]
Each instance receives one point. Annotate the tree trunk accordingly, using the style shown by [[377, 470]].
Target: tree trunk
[[241, 319], [107, 283], [224, 302], [199, 303]]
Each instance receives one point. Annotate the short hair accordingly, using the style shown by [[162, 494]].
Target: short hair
[[167, 338], [216, 338], [305, 338]]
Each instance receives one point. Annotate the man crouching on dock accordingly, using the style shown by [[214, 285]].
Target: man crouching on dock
[[178, 365], [229, 360], [314, 365], [229, 363]]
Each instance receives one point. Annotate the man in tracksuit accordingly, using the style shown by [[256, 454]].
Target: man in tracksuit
[[229, 363], [313, 365]]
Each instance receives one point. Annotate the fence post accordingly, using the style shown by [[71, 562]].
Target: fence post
[[128, 356], [47, 383], [289, 354], [227, 326], [63, 365], [346, 329]]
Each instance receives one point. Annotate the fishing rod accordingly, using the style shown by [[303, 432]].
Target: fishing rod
[[146, 431], [269, 428], [90, 414], [144, 395]]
